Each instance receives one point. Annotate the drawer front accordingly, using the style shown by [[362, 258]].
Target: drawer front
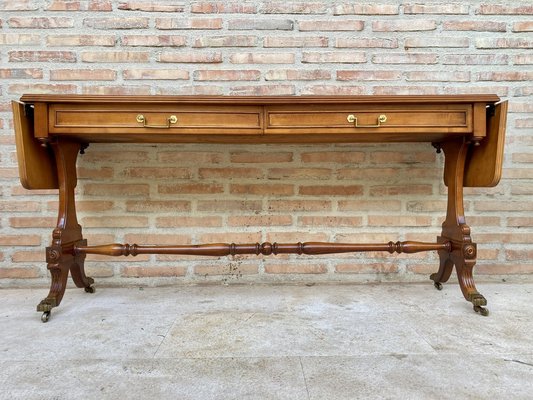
[[364, 119], [147, 119]]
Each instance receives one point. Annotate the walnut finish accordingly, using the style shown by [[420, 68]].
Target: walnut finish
[[469, 128]]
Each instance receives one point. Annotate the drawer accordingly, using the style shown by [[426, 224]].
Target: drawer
[[150, 118], [368, 119]]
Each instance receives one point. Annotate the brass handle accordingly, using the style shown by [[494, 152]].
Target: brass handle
[[170, 120], [353, 119]]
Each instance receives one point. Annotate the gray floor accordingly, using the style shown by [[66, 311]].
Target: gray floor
[[269, 342]]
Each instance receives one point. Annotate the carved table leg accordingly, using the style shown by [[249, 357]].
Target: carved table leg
[[455, 230], [60, 256]]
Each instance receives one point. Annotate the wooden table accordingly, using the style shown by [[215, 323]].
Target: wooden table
[[52, 129]]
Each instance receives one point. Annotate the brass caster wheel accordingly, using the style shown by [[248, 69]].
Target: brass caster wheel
[[481, 310], [45, 317], [89, 289], [438, 285]]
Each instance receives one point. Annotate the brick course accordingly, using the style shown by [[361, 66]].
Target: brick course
[[194, 193]]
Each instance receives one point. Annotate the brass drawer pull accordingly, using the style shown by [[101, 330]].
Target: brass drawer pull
[[353, 119], [170, 120]]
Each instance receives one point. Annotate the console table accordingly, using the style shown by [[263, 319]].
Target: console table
[[52, 129]]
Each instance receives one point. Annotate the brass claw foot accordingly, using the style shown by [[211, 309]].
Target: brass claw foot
[[45, 317], [481, 310], [437, 285], [89, 289], [479, 301]]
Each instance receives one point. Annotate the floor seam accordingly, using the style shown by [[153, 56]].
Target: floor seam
[[305, 378]]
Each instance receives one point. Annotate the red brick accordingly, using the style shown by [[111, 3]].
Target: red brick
[[300, 268], [82, 75], [151, 6], [330, 221], [455, 8], [337, 25], [189, 57], [400, 58], [85, 205], [189, 23], [228, 205], [91, 5], [368, 75], [437, 76], [370, 268], [160, 74], [369, 205], [262, 58], [366, 43], [398, 220], [19, 39], [263, 189], [227, 75], [503, 269], [7, 205], [504, 43], [263, 90], [18, 5], [115, 56], [297, 74], [260, 220], [406, 90], [40, 22], [404, 26], [116, 23], [230, 173], [244, 237], [295, 41], [151, 272], [115, 222], [299, 173], [100, 189], [523, 26], [480, 26], [158, 206], [334, 57], [181, 222], [505, 76], [19, 273], [293, 7], [194, 157], [28, 256], [191, 188], [490, 9], [520, 221], [96, 173], [21, 73], [476, 59], [299, 205], [222, 7], [365, 9], [413, 42], [333, 90], [80, 40], [20, 240], [42, 56], [154, 40], [115, 157], [256, 157], [331, 190], [157, 172], [41, 88], [226, 41], [234, 269], [32, 222], [261, 24]]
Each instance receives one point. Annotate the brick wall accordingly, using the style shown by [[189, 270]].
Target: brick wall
[[208, 193]]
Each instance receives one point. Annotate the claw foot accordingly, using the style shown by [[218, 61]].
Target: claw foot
[[481, 310]]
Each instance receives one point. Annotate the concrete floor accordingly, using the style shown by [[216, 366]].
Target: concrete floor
[[269, 342]]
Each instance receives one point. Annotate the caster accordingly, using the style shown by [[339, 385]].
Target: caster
[[438, 285], [89, 289], [481, 310], [45, 317]]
